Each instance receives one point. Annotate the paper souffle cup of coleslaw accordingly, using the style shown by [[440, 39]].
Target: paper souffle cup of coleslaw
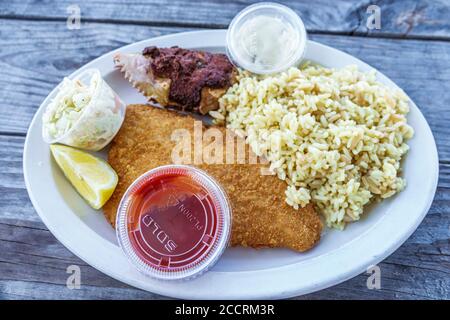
[[85, 113]]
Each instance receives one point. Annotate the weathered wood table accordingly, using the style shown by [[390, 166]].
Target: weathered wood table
[[37, 50]]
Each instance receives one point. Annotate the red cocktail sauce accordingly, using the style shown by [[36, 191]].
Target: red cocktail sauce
[[174, 222]]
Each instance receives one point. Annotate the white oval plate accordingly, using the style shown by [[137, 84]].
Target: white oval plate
[[242, 273]]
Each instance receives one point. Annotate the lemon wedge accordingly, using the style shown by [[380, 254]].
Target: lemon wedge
[[92, 177]]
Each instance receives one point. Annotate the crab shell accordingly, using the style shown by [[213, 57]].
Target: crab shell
[[137, 70]]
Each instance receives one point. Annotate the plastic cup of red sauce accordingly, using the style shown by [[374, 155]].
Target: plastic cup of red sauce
[[174, 222]]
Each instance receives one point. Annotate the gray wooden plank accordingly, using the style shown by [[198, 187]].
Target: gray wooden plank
[[419, 269], [410, 19], [406, 18], [36, 55], [38, 290], [33, 263]]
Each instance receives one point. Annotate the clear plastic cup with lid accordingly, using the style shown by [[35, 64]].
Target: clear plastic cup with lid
[[266, 38], [174, 222], [96, 123]]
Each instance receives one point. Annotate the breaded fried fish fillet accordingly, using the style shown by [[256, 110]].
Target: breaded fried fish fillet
[[261, 217], [190, 80]]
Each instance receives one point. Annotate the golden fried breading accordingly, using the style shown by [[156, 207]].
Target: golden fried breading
[[261, 217]]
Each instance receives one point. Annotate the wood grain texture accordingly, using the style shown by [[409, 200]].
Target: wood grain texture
[[35, 56], [33, 263], [37, 51], [51, 51], [405, 18]]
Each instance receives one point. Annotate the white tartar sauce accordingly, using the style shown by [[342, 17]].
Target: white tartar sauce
[[266, 41], [266, 38]]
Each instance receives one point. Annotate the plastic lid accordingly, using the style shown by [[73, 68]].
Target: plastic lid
[[271, 44], [174, 222]]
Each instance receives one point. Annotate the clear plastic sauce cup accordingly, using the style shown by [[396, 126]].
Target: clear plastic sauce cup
[[100, 119], [174, 222], [266, 38]]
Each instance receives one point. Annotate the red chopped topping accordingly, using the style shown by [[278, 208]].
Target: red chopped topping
[[190, 71]]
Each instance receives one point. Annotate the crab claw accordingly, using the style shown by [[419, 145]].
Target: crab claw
[[136, 69]]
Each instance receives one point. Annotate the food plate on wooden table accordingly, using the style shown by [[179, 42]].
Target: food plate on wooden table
[[241, 272]]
